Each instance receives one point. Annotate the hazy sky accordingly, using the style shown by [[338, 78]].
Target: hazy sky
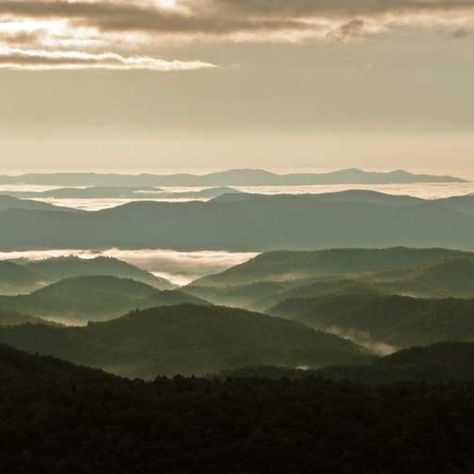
[[200, 84]]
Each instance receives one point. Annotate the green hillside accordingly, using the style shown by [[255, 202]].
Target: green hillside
[[439, 363], [245, 223], [287, 266], [93, 298], [61, 268], [187, 340], [386, 321], [12, 318], [57, 417], [15, 278]]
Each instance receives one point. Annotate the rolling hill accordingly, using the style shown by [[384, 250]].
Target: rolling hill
[[12, 318], [187, 340], [57, 417], [92, 298], [273, 277], [16, 279], [10, 202], [385, 322], [448, 278], [285, 266], [121, 192], [243, 223], [261, 296], [438, 363], [60, 268], [238, 177]]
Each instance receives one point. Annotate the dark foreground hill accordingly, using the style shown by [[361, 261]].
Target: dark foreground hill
[[187, 340], [445, 362], [441, 363], [385, 321], [60, 418], [93, 298], [246, 223]]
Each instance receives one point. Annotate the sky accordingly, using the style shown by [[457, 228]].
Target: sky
[[213, 84]]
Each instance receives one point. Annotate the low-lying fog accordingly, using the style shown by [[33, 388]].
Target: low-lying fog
[[178, 194], [178, 267]]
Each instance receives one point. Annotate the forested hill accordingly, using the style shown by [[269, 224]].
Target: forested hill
[[236, 177], [187, 340], [59, 418], [249, 223]]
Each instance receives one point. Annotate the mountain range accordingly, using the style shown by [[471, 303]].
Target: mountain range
[[246, 222], [10, 202], [93, 298], [57, 417], [238, 177], [273, 277], [59, 268], [384, 323], [120, 192], [23, 276], [442, 363], [437, 363], [186, 340]]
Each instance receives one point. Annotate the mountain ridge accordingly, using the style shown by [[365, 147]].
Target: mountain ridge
[[235, 177], [254, 223], [187, 340]]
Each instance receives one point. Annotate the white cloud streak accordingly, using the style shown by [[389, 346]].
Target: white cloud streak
[[37, 34], [37, 60]]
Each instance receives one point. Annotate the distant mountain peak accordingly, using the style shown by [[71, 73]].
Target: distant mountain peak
[[232, 177]]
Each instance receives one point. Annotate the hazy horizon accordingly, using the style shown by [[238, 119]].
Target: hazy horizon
[[184, 84], [465, 173]]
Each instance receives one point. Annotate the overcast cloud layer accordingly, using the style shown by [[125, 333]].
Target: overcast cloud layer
[[55, 34]]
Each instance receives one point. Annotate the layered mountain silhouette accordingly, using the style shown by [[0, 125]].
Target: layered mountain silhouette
[[58, 417], [246, 223], [23, 276], [93, 298], [291, 266], [438, 363], [384, 323], [12, 318], [10, 202], [187, 339], [446, 362], [60, 268], [16, 278], [238, 177], [121, 192], [274, 277]]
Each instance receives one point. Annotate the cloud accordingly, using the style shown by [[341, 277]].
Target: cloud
[[351, 29], [220, 16], [144, 17], [235, 19], [340, 7], [38, 60], [179, 267]]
